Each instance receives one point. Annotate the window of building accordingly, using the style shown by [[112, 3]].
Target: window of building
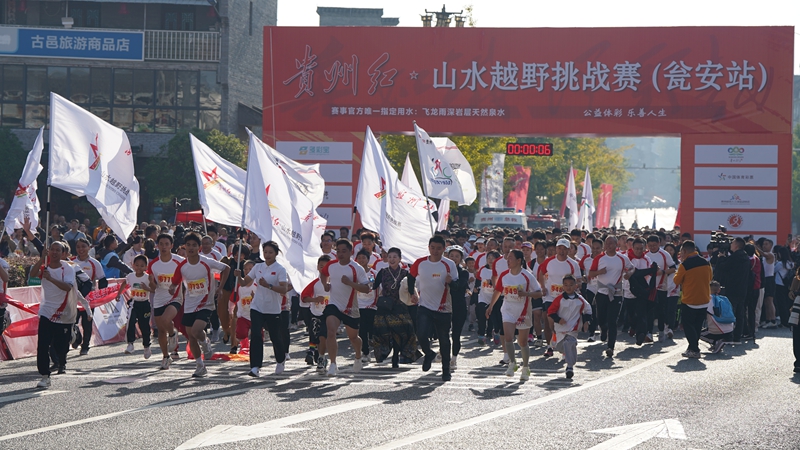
[[13, 83], [79, 85], [143, 87], [187, 88], [165, 88], [210, 92], [37, 84], [123, 87], [101, 86], [57, 81]]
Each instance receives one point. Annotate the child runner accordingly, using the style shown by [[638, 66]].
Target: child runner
[[317, 298], [244, 297], [486, 290], [567, 311], [166, 305], [140, 283]]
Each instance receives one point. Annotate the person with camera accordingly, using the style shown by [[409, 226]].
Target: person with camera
[[732, 270]]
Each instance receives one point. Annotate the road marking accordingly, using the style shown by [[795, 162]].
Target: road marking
[[630, 436], [444, 429], [144, 408], [36, 394], [225, 434]]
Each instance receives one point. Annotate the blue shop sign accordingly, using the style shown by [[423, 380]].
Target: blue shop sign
[[67, 43]]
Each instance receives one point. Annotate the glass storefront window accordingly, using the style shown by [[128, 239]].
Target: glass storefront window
[[143, 87], [57, 81], [165, 121], [12, 115], [187, 119], [102, 112], [187, 88], [79, 85], [209, 120], [36, 116], [101, 86], [123, 87], [165, 88], [210, 91], [123, 118], [37, 84], [143, 120], [14, 83]]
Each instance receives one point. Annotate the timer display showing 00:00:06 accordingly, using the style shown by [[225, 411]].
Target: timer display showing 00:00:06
[[520, 149]]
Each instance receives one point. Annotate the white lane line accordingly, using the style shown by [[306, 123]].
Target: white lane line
[[36, 394], [444, 429], [144, 408]]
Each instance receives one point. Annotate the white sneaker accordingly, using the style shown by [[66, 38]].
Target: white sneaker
[[669, 332], [453, 364], [44, 383], [207, 351], [214, 336], [332, 370], [147, 353], [287, 356], [293, 327], [357, 365], [172, 342], [165, 363], [506, 359], [365, 358], [511, 369], [201, 372], [279, 368], [526, 374], [129, 349], [438, 357], [662, 336], [254, 372]]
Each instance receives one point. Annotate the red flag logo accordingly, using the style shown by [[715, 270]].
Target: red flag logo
[[382, 192], [95, 152]]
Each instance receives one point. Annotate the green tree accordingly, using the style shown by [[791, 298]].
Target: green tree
[[14, 156], [171, 173]]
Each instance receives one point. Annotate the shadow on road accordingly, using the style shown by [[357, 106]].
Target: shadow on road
[[688, 365]]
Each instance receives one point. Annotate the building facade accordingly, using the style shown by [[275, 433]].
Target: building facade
[[150, 67], [354, 17]]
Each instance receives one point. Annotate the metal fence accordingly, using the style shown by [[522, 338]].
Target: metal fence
[[168, 45]]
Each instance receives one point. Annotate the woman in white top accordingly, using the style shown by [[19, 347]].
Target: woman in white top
[[265, 309], [784, 270], [768, 284]]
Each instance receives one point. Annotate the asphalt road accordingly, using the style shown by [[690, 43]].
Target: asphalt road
[[646, 398]]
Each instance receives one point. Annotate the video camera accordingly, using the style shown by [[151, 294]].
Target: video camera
[[720, 240]]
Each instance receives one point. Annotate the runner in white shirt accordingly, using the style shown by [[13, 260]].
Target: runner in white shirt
[[640, 310], [517, 286], [166, 305], [57, 309], [315, 296], [265, 310], [583, 248], [368, 243], [207, 249], [483, 277], [367, 305], [94, 270], [196, 274], [326, 243], [609, 269], [134, 251], [668, 267], [212, 231], [140, 283], [244, 297], [550, 274], [591, 285], [342, 278], [432, 276]]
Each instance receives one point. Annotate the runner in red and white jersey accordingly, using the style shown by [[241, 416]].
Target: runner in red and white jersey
[[367, 305], [343, 278], [491, 245], [219, 246], [316, 297], [609, 269], [166, 305], [550, 274], [583, 248], [640, 311], [478, 249], [432, 276], [483, 279], [591, 284], [368, 243], [668, 267], [94, 270], [196, 273], [207, 249], [517, 286]]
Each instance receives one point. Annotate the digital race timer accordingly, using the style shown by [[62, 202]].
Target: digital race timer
[[520, 149]]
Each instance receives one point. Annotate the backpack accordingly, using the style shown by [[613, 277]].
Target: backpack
[[111, 272], [723, 310]]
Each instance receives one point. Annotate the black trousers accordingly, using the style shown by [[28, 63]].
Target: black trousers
[[86, 328], [272, 322], [429, 322], [459, 318], [607, 313], [56, 334], [365, 328], [751, 302], [140, 312], [738, 304], [692, 320], [295, 308], [590, 296], [480, 314], [286, 317], [796, 345]]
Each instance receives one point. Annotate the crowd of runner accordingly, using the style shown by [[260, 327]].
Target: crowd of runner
[[517, 291]]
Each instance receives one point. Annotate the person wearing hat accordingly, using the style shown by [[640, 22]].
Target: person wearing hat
[[477, 248], [550, 274]]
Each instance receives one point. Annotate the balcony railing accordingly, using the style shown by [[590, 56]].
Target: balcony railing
[[168, 45]]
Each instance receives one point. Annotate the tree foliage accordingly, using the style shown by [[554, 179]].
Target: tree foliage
[[14, 156], [548, 174], [171, 174]]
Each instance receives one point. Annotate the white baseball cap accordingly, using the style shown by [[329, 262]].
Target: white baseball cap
[[564, 242]]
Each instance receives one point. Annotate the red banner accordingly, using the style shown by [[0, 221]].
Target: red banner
[[604, 206], [678, 217], [518, 196]]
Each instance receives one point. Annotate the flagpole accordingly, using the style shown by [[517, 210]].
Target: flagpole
[[205, 227], [244, 208], [422, 175]]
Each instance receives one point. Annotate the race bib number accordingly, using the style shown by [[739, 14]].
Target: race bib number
[[139, 294], [246, 300], [511, 293], [487, 285], [556, 289], [164, 281], [197, 288]]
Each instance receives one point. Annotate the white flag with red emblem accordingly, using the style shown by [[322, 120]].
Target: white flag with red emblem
[[444, 214], [26, 203], [445, 172], [220, 185], [275, 210], [89, 156], [305, 177], [388, 206]]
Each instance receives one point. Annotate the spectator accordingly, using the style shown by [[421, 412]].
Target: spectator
[[73, 234], [694, 277], [733, 272]]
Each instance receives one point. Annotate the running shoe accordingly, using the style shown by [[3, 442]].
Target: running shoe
[[446, 376], [61, 370], [172, 342], [526, 374], [426, 363], [332, 370], [310, 357], [147, 353], [453, 364], [496, 339], [512, 367], [129, 349], [438, 357], [670, 333], [234, 350], [322, 363], [590, 338], [207, 351], [569, 373], [538, 343], [287, 356], [201, 372], [84, 351], [254, 372], [44, 383], [175, 356], [610, 352], [364, 358], [549, 352], [293, 327], [648, 338], [165, 363], [357, 365], [279, 368], [717, 346]]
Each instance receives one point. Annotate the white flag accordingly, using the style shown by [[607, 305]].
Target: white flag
[[275, 210], [585, 220], [89, 156], [26, 203], [461, 169], [409, 178], [306, 177], [220, 185], [492, 183], [444, 214], [572, 200], [389, 207], [438, 176]]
